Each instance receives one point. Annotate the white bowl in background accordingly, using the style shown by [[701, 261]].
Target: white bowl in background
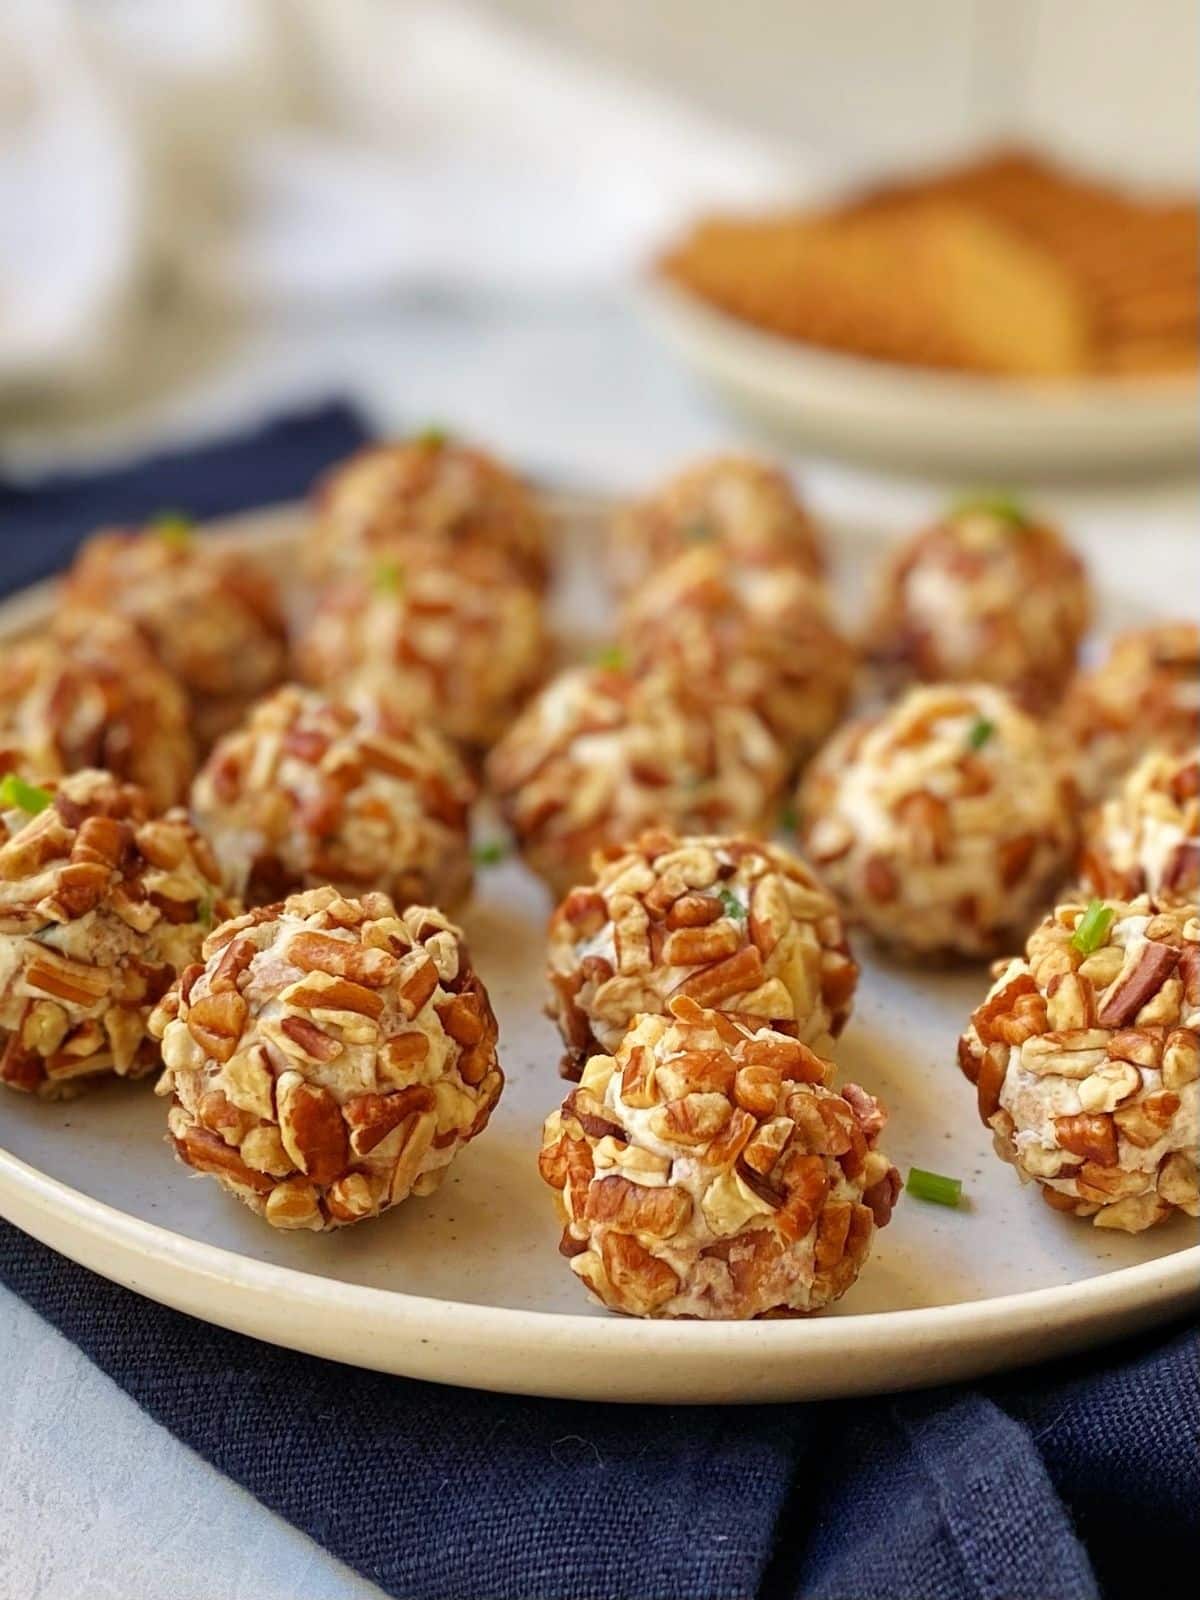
[[922, 420]]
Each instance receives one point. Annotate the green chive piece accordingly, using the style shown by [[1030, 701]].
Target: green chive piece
[[789, 818], [205, 908], [490, 853], [699, 531], [992, 504], [174, 528], [389, 578], [934, 1186], [433, 435], [1092, 928], [732, 906], [980, 731], [17, 795], [612, 658]]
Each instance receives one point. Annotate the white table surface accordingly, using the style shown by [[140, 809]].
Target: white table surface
[[95, 1499]]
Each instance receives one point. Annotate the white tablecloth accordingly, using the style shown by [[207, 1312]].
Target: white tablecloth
[[95, 1500]]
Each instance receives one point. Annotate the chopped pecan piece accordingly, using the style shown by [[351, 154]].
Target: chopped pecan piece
[[1147, 966], [1092, 1138]]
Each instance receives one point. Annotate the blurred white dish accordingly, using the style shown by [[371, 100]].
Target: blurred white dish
[[926, 420], [467, 1287]]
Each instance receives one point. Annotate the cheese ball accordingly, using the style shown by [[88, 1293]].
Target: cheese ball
[[462, 644], [985, 595], [209, 612], [1145, 694], [311, 791], [763, 634], [706, 1170], [745, 506], [329, 1058], [1146, 837], [601, 755], [943, 823], [90, 694], [428, 487], [733, 923], [1085, 1058], [101, 905]]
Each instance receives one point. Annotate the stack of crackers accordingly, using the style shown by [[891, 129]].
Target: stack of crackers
[[1006, 266]]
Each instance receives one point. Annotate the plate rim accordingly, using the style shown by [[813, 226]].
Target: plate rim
[[1174, 1272]]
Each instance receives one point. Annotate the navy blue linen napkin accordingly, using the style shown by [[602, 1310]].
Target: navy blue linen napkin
[[1055, 1484], [42, 520], [1068, 1482]]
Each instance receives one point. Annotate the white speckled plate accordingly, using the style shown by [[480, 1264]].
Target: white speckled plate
[[924, 420], [467, 1287]]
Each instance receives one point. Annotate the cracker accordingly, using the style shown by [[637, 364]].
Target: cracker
[[1006, 265]]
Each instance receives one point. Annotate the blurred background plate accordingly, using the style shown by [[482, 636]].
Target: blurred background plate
[[923, 420]]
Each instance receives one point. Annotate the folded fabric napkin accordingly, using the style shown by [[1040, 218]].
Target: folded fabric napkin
[[1058, 1483], [42, 521]]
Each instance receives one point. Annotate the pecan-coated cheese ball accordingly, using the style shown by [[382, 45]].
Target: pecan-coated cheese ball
[[311, 791], [101, 905], [91, 694], [329, 1057], [600, 755], [1085, 1057], [764, 634], [1146, 693], [943, 823], [208, 611], [706, 1170], [428, 487], [1145, 838], [985, 595], [744, 506], [460, 642], [734, 923]]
